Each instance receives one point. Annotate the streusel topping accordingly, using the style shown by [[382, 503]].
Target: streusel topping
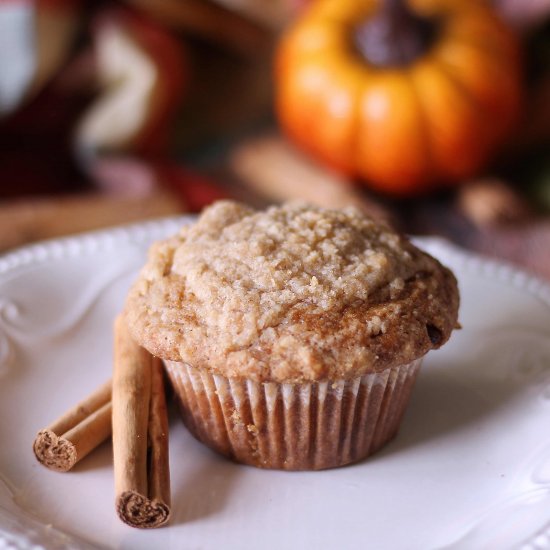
[[291, 293]]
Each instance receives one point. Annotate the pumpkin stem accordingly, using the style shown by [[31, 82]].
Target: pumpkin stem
[[395, 35]]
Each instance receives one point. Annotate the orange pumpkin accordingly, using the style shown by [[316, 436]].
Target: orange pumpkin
[[430, 113]]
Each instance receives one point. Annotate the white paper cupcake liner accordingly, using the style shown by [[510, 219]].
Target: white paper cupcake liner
[[307, 426]]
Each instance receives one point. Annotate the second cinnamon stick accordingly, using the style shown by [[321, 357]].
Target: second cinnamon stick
[[80, 430]]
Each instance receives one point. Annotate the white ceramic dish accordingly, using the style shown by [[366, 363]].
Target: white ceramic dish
[[470, 468]]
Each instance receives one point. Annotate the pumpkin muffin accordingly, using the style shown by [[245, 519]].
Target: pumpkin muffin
[[292, 336]]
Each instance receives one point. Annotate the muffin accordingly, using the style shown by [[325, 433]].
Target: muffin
[[292, 336]]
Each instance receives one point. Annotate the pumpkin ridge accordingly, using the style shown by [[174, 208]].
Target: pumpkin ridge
[[356, 130], [491, 136], [437, 171], [491, 47], [425, 133], [464, 90]]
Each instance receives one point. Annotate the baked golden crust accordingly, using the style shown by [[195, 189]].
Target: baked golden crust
[[295, 293]]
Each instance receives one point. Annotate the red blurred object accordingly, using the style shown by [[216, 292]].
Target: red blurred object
[[196, 190], [36, 145]]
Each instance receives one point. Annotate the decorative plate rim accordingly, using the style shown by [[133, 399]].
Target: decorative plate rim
[[139, 233]]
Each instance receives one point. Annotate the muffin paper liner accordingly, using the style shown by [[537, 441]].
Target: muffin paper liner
[[306, 426]]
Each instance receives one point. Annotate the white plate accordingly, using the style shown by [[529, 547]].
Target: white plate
[[470, 468]]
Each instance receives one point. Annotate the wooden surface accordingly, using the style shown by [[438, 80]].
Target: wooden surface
[[28, 220]]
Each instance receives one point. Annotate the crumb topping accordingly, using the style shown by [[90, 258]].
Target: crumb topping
[[291, 293]]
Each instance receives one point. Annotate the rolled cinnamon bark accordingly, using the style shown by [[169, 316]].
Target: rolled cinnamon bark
[[268, 165], [80, 430], [140, 434]]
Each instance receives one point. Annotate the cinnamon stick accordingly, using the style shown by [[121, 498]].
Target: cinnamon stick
[[140, 434], [269, 165], [80, 430]]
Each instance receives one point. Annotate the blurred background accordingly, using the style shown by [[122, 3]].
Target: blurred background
[[431, 114]]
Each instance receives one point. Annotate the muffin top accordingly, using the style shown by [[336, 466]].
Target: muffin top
[[290, 294]]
